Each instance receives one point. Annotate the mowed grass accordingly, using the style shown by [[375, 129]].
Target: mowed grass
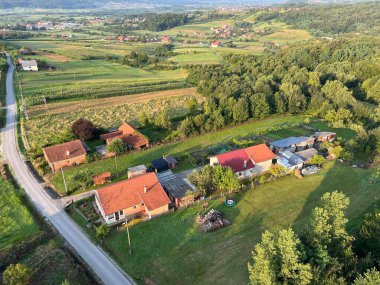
[[16, 222], [172, 250], [179, 148]]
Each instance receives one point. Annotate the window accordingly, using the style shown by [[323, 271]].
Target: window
[[121, 212], [110, 217], [134, 207]]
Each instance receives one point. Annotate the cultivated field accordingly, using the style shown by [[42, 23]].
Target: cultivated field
[[104, 113]]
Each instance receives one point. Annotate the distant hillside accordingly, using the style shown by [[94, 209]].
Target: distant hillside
[[117, 4]]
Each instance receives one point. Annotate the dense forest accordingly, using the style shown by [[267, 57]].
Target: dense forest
[[335, 80], [330, 19]]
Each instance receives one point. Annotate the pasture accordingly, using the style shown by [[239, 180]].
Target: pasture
[[176, 253]]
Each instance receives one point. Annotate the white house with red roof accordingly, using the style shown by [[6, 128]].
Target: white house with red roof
[[246, 162], [141, 195]]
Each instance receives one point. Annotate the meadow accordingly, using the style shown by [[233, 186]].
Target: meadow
[[16, 222], [176, 254]]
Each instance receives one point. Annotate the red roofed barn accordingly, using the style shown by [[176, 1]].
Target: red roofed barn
[[246, 162], [66, 154], [141, 195], [129, 135]]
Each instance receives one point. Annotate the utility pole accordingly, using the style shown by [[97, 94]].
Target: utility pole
[[117, 173], [129, 239], [64, 180]]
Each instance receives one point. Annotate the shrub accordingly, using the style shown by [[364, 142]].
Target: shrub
[[83, 129], [116, 146], [17, 274]]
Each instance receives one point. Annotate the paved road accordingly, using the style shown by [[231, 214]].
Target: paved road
[[98, 260]]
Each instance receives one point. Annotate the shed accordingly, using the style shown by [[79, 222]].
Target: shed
[[136, 170], [160, 165], [172, 162], [179, 192], [307, 154], [102, 178]]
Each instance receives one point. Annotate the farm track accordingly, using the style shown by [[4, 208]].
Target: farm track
[[66, 107]]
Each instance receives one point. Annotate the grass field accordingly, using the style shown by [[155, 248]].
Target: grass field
[[16, 223], [172, 250], [181, 148], [286, 36]]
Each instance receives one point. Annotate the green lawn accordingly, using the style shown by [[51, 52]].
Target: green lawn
[[180, 148], [172, 250], [340, 132], [16, 222]]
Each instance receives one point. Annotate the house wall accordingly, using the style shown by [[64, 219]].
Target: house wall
[[245, 173], [55, 166], [159, 211], [134, 210], [184, 201], [30, 68], [136, 173], [214, 160], [262, 167]]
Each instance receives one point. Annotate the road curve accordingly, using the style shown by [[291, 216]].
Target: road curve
[[100, 263]]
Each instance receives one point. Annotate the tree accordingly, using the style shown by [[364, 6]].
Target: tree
[[259, 106], [277, 260], [102, 231], [17, 274], [225, 178], [80, 179], [240, 110], [162, 120], [83, 129], [296, 100], [369, 235], [327, 234], [144, 118], [338, 93], [117, 146], [203, 180], [370, 277], [317, 160]]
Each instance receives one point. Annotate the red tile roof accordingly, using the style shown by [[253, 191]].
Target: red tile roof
[[236, 160], [130, 192], [260, 153], [128, 134], [126, 129], [64, 151]]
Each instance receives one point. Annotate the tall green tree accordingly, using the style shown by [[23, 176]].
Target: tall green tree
[[277, 260]]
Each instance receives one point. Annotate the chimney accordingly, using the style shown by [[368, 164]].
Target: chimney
[[245, 163], [145, 189], [67, 152]]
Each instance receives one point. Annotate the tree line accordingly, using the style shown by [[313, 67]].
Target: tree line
[[324, 253]]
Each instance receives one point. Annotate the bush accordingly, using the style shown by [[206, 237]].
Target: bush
[[116, 146], [83, 129], [17, 274]]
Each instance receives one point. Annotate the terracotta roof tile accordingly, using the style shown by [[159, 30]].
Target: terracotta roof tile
[[64, 151], [236, 160], [260, 153], [130, 192]]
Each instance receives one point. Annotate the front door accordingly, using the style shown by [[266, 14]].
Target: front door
[[117, 216]]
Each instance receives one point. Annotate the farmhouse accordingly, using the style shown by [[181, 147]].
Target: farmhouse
[[246, 162], [292, 144], [66, 154], [131, 137], [216, 44], [166, 39], [179, 192], [29, 65], [140, 196], [324, 136]]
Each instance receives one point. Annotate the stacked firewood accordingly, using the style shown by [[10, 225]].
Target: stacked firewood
[[4, 171], [212, 221]]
